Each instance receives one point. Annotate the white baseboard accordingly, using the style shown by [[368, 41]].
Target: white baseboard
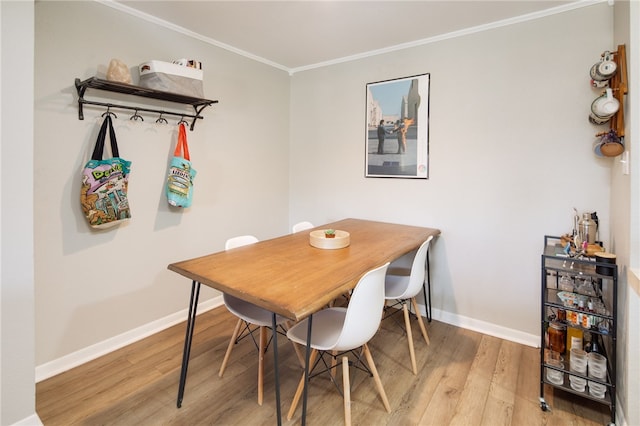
[[483, 327], [92, 352], [32, 420]]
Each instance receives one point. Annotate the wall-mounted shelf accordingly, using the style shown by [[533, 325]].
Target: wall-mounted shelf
[[619, 86], [198, 104]]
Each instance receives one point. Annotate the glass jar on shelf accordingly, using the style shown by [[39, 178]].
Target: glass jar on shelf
[[557, 336], [566, 282]]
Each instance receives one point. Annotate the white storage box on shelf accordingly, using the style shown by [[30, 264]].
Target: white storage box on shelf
[[172, 78]]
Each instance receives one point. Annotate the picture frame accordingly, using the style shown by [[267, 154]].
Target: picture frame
[[397, 128]]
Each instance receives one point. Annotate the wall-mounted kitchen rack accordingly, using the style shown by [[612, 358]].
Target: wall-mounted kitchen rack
[[198, 104], [619, 86]]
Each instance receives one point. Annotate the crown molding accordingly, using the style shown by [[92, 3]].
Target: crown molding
[[177, 28], [454, 34]]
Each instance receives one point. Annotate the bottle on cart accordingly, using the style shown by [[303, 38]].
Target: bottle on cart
[[587, 342], [574, 338], [594, 344]]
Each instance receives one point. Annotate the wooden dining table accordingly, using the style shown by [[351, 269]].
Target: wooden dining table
[[288, 276]]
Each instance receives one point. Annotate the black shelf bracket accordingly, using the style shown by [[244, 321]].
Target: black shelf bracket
[[198, 104]]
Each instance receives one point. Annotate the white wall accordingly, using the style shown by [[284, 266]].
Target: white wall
[[17, 384], [510, 156], [92, 286]]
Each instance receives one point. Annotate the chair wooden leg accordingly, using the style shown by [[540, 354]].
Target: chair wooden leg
[[407, 324], [296, 397], [420, 321], [232, 342], [299, 354], [261, 351], [376, 377], [346, 390], [296, 347]]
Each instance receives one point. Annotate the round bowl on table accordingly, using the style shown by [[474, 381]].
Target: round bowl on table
[[317, 239]]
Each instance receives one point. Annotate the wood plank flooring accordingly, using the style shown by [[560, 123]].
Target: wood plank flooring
[[464, 378]]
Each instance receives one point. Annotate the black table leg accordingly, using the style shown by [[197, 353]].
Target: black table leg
[[306, 371], [275, 363], [191, 321], [427, 301]]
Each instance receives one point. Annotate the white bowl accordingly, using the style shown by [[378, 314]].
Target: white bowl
[[577, 383], [554, 376], [596, 389]]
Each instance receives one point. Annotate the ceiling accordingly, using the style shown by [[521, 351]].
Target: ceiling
[[296, 35]]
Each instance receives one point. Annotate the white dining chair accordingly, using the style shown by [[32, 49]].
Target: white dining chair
[[249, 315], [301, 226], [402, 288], [341, 331]]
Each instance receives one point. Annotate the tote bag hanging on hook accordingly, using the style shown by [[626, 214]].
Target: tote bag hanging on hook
[[181, 174], [103, 195]]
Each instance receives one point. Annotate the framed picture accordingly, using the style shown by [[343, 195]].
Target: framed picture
[[397, 128]]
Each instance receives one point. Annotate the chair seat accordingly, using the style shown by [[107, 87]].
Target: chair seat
[[395, 286], [327, 326], [250, 312]]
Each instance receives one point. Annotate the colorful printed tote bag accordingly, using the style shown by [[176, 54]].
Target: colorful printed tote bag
[[103, 195], [181, 173]]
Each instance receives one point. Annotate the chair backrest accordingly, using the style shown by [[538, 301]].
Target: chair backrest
[[232, 243], [364, 311], [240, 241], [418, 270], [301, 226]]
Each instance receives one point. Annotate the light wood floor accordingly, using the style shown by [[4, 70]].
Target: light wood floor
[[465, 378]]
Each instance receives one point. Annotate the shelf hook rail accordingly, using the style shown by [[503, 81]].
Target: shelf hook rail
[[136, 116], [161, 119], [182, 120], [109, 112], [198, 106]]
